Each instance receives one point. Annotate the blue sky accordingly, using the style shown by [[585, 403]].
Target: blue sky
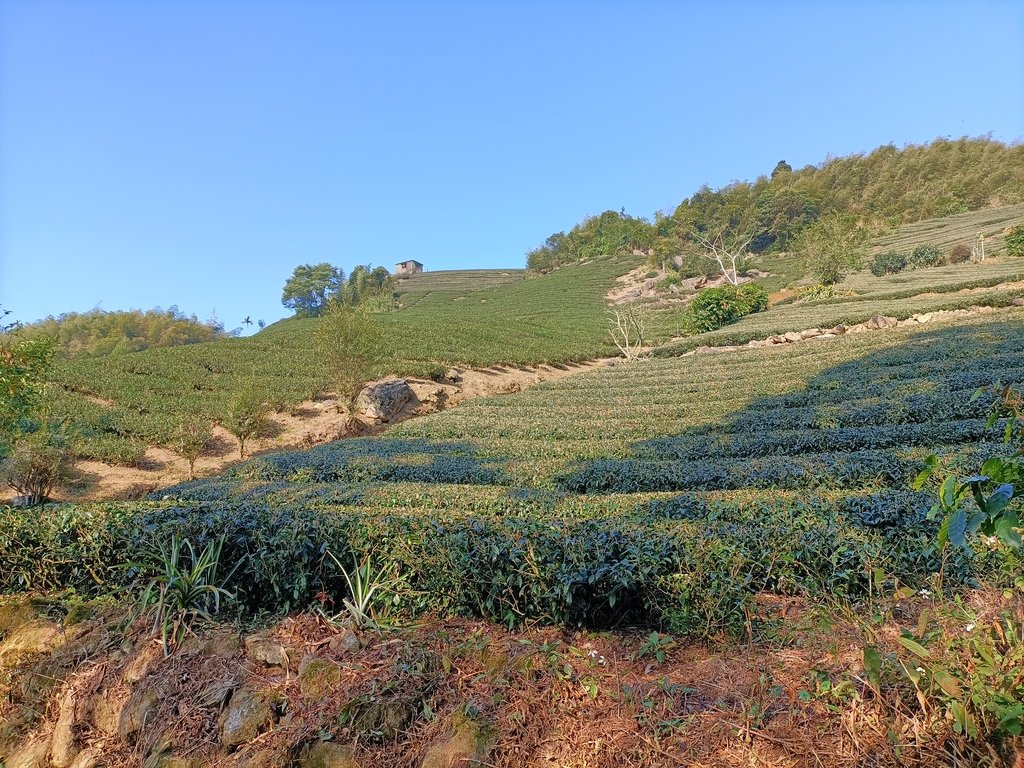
[[193, 152]]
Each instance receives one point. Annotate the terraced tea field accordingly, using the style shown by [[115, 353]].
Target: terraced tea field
[[614, 495], [480, 318], [946, 232]]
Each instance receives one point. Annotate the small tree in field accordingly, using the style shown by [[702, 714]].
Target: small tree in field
[[349, 342], [37, 463], [832, 247], [191, 439], [726, 246], [628, 325], [246, 418]]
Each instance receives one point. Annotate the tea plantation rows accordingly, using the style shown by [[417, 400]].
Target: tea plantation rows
[[665, 493], [554, 318]]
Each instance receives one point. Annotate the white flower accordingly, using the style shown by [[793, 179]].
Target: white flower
[[925, 593], [920, 670], [969, 627]]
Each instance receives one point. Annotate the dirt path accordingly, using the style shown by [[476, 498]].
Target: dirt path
[[308, 424]]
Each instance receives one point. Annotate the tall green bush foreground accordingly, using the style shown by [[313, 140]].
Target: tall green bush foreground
[[985, 501]]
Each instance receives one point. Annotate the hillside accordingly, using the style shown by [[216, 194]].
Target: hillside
[[120, 406], [721, 555], [888, 187], [458, 281]]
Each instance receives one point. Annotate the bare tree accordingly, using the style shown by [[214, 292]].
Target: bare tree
[[628, 324], [725, 245]]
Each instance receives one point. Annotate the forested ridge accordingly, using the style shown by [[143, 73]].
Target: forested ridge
[[887, 187]]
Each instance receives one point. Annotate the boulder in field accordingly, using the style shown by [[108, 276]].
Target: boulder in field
[[384, 399]]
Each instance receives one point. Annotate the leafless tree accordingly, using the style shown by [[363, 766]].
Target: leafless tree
[[628, 324], [726, 246]]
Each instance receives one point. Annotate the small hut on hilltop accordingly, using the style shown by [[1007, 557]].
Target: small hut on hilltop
[[407, 268]]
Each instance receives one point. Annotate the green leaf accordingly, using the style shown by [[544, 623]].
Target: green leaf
[[997, 502], [872, 665], [1004, 528], [914, 647], [948, 493], [946, 682], [956, 527], [930, 465]]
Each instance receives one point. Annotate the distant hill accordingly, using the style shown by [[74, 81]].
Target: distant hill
[[889, 186]]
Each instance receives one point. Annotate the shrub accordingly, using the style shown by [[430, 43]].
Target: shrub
[[715, 307], [754, 296], [38, 463], [1015, 241], [960, 253], [926, 256], [888, 263]]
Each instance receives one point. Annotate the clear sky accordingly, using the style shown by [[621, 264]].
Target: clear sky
[[193, 152]]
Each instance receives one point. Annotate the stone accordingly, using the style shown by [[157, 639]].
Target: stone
[[839, 330], [106, 712], [924, 317], [136, 712], [777, 339], [467, 746], [263, 758], [346, 641], [34, 754], [452, 374], [810, 333], [15, 613], [386, 718], [89, 758], [384, 399], [318, 678], [267, 651], [325, 754], [1018, 302], [792, 336], [223, 645], [31, 637], [878, 322], [214, 694], [64, 746], [247, 714], [141, 663], [826, 336]]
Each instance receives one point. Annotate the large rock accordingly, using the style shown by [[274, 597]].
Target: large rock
[[1018, 302], [267, 651], [247, 715], [137, 712], [34, 754], [31, 637], [65, 747], [878, 322], [467, 746], [384, 399], [324, 754]]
